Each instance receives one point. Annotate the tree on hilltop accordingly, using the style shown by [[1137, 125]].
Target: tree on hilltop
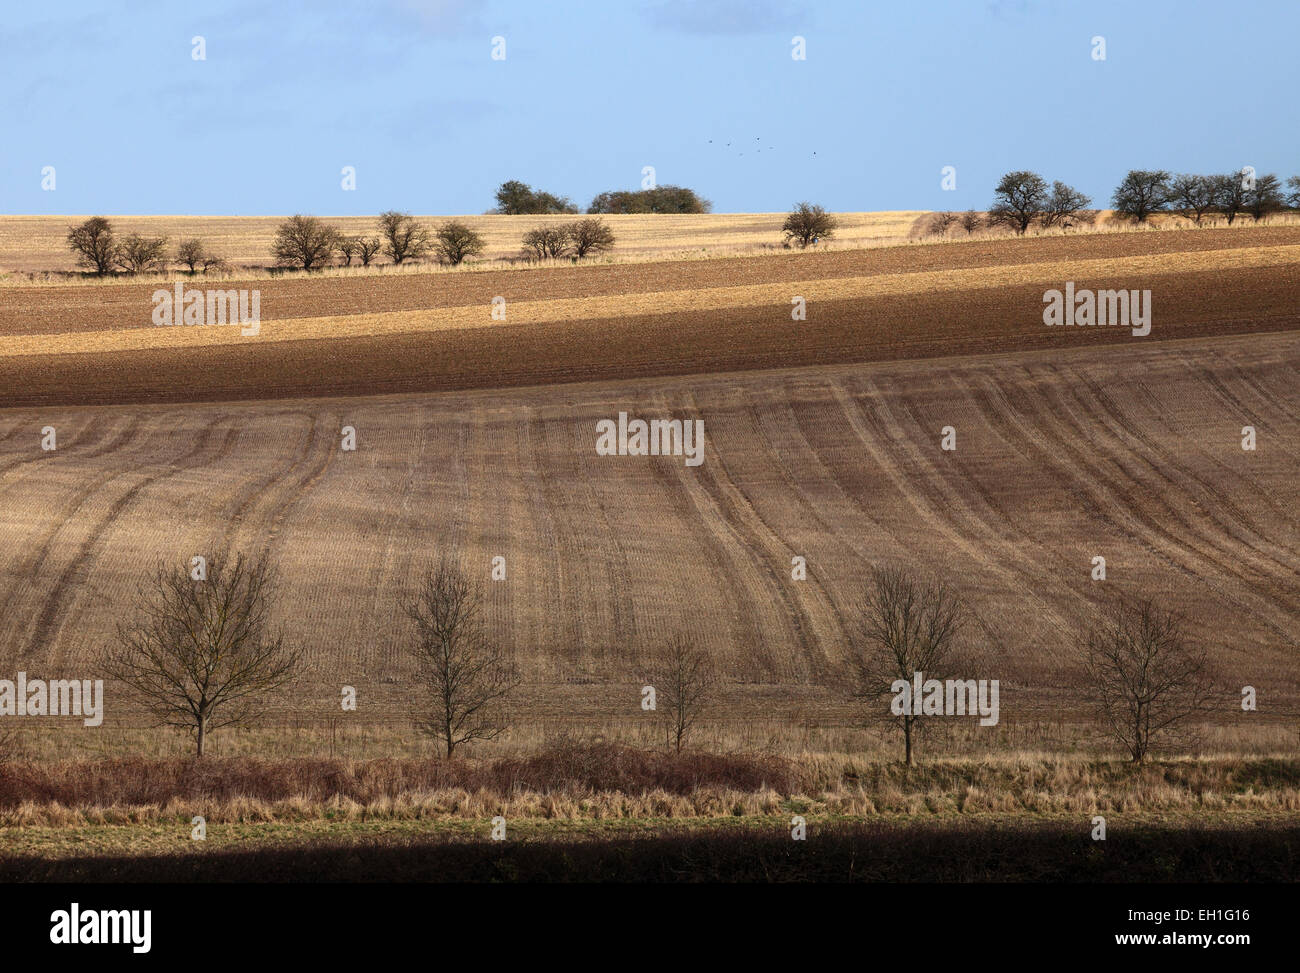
[[455, 242], [807, 223], [405, 238], [304, 241], [1020, 198], [94, 244], [1143, 193]]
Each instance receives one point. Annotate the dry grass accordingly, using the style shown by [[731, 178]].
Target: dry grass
[[602, 782], [35, 244], [33, 251], [744, 724]]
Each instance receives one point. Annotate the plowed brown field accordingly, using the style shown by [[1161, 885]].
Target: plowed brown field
[[823, 442], [436, 333]]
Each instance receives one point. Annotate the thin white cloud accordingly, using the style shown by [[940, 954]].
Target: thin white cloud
[[444, 16], [726, 16]]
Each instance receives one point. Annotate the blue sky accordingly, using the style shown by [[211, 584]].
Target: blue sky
[[406, 91]]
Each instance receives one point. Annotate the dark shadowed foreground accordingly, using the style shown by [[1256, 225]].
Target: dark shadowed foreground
[[838, 853]]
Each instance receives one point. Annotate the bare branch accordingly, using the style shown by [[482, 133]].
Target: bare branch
[[200, 655], [685, 684], [466, 676], [1146, 682]]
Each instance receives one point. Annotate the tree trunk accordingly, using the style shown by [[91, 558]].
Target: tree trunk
[[907, 738], [203, 730]]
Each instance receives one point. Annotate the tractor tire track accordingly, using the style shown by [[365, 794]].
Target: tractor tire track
[[58, 603]]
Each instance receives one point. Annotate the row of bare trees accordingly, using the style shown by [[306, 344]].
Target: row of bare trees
[[1146, 681], [202, 654], [1145, 192], [98, 248], [1024, 199], [309, 243], [304, 242], [970, 221], [577, 239], [805, 225]]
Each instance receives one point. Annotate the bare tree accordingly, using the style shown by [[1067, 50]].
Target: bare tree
[[906, 625], [685, 683], [1065, 206], [348, 247], [589, 236], [94, 244], [191, 253], [138, 254], [807, 224], [1146, 681], [465, 675], [547, 242], [1193, 196], [212, 261], [1142, 193], [304, 241], [455, 242], [971, 221], [941, 223], [1019, 199], [1230, 195], [367, 249], [1265, 198], [1294, 197], [405, 238], [201, 655]]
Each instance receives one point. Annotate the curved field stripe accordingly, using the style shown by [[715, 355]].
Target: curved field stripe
[[63, 310], [1057, 434], [926, 325], [613, 565], [557, 311], [1196, 491], [550, 543], [37, 552], [91, 435], [1168, 504], [916, 473], [728, 564], [274, 491], [59, 605], [802, 602]]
